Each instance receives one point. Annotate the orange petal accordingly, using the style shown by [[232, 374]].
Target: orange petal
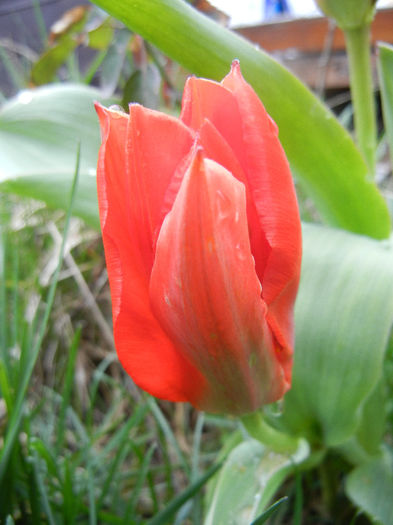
[[206, 294], [130, 196], [244, 124], [217, 148], [275, 199]]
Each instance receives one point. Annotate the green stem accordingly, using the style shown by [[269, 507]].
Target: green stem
[[259, 429], [329, 490], [358, 48]]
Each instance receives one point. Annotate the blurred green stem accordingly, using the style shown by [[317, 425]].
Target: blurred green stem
[[259, 429], [358, 48]]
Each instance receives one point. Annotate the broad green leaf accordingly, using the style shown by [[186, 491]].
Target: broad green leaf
[[372, 424], [322, 155], [39, 134], [343, 316], [247, 482], [385, 70], [370, 487], [366, 442]]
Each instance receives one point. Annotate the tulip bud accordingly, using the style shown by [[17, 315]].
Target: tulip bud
[[202, 240]]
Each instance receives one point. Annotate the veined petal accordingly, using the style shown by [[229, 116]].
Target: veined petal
[[128, 221], [157, 149], [217, 149], [253, 137], [208, 100], [275, 199], [205, 292]]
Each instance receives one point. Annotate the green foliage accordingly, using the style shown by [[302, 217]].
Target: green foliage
[[248, 480], [370, 487], [26, 370], [322, 155], [343, 316], [47, 124], [105, 453]]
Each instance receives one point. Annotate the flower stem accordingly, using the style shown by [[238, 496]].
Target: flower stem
[[259, 429], [358, 48]]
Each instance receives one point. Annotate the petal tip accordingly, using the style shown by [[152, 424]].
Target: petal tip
[[235, 66]]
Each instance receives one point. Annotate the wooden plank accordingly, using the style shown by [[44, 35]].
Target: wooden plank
[[300, 44], [309, 34]]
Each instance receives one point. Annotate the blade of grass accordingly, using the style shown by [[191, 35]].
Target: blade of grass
[[144, 470], [297, 511], [94, 66], [197, 504], [169, 435], [166, 514], [13, 74], [5, 387], [118, 443], [67, 389], [197, 445], [14, 300], [39, 18], [70, 502], [115, 442], [139, 452], [111, 488], [269, 512], [97, 378], [17, 414], [42, 490], [91, 495], [39, 447], [3, 297]]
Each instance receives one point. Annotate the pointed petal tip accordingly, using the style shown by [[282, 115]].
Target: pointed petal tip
[[105, 115], [134, 106], [100, 110], [235, 66], [235, 77]]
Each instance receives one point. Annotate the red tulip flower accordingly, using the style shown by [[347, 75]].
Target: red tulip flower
[[203, 246]]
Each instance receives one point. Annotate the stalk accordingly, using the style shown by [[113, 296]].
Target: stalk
[[259, 429], [358, 49]]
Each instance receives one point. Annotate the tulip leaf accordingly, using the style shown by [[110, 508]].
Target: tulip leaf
[[39, 134], [343, 316], [323, 157], [370, 487], [248, 480], [385, 70], [366, 442]]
